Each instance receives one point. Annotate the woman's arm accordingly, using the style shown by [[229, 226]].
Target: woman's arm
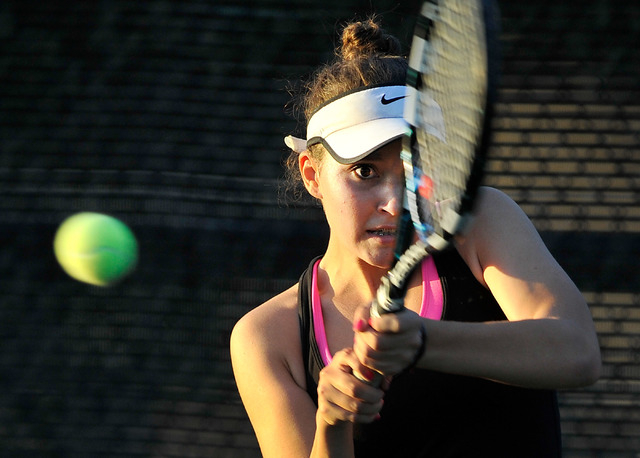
[[267, 364], [549, 340]]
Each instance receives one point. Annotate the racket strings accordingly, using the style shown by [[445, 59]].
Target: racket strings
[[448, 82], [451, 83]]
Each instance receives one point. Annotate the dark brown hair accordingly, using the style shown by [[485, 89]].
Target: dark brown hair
[[368, 56]]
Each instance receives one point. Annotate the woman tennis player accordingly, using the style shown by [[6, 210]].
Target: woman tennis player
[[492, 326]]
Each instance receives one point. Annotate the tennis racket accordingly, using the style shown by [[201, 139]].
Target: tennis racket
[[453, 68]]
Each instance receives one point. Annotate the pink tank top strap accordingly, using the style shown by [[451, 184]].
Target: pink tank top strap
[[432, 297], [318, 319], [431, 307]]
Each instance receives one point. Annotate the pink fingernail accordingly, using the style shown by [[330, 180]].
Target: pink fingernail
[[368, 374], [359, 325]]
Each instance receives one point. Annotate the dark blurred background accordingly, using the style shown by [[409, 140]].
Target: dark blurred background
[[169, 115]]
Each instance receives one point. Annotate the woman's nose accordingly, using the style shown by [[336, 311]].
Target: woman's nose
[[392, 196]]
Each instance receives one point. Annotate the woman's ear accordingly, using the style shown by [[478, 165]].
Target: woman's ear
[[310, 174]]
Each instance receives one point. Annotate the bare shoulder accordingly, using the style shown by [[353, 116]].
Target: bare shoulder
[[275, 318], [273, 311], [506, 253], [492, 201], [500, 221], [499, 225], [270, 334], [268, 367]]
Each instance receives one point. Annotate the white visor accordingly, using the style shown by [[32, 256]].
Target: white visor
[[357, 123]]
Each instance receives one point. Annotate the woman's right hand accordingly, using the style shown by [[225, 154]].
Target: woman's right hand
[[342, 397]]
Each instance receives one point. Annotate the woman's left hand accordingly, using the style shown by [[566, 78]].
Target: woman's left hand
[[388, 344]]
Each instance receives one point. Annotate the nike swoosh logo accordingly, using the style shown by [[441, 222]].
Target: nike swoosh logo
[[385, 101]]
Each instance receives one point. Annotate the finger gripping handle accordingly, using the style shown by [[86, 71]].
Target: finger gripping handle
[[383, 302]]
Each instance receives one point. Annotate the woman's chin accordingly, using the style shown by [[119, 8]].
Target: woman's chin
[[382, 260]]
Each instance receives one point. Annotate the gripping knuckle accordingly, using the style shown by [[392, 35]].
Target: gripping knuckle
[[354, 406], [367, 358], [374, 344]]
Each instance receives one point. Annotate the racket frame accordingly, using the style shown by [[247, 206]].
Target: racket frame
[[389, 297]]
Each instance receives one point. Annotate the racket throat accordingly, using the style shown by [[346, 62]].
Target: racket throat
[[389, 298], [405, 234]]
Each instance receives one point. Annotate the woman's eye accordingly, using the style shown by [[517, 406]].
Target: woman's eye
[[364, 171]]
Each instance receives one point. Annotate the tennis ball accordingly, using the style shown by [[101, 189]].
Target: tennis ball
[[95, 248]]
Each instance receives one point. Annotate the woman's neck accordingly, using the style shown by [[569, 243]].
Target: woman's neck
[[348, 279]]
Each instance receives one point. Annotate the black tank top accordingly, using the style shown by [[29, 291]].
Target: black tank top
[[433, 414]]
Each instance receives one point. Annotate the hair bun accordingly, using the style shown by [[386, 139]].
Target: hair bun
[[366, 38]]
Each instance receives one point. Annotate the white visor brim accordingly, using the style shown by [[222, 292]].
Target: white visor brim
[[357, 123]]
